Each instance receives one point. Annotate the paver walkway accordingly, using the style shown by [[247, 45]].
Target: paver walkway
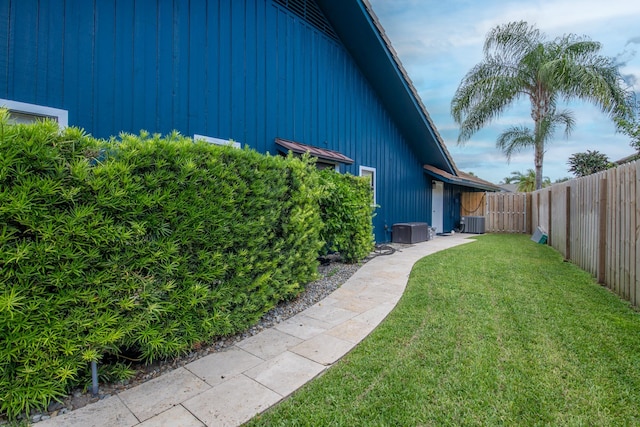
[[230, 387]]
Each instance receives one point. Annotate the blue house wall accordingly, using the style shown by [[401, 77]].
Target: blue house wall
[[249, 71], [452, 200]]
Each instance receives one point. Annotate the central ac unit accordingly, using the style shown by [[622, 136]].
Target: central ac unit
[[473, 224]]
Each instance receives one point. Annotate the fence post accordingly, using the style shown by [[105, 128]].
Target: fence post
[[529, 214], [550, 201], [602, 230], [568, 223], [538, 207]]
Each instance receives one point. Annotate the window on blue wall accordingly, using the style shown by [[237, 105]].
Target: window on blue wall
[[326, 165], [22, 112], [217, 141], [370, 173]]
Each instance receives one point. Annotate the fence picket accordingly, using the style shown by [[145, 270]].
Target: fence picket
[[636, 233]]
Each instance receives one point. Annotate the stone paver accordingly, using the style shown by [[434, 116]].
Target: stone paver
[[303, 327], [166, 391], [377, 314], [230, 387], [285, 373], [232, 403], [329, 314], [324, 349], [110, 412], [269, 344], [177, 416], [359, 305], [352, 330], [220, 367]]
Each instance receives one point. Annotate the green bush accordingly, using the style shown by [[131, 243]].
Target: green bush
[[141, 244], [347, 211]]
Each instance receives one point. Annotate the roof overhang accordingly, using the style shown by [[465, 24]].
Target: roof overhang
[[363, 36], [464, 179], [321, 153]]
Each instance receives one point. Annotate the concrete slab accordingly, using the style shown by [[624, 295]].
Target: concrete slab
[[219, 367], [158, 395], [110, 412], [285, 373], [324, 349], [303, 327], [232, 403], [269, 343], [177, 416]]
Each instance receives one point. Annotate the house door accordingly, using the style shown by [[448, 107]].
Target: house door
[[437, 203]]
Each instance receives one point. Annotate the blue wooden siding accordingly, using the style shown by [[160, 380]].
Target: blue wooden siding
[[452, 199], [246, 70]]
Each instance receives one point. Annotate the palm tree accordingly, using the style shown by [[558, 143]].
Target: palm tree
[[527, 181], [519, 62]]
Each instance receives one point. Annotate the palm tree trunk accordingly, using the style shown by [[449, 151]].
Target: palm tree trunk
[[539, 156], [540, 110]]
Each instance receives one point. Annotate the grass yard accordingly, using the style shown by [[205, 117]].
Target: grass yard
[[496, 332]]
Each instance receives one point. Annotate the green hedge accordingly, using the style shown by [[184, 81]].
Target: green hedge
[[141, 244], [347, 209]]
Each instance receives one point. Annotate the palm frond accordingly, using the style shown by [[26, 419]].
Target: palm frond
[[485, 92], [550, 123], [511, 40], [514, 139]]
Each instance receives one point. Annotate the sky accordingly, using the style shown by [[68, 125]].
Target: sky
[[438, 42]]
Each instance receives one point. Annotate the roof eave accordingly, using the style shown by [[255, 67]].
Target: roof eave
[[357, 25], [449, 178]]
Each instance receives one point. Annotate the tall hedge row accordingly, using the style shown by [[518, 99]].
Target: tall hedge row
[[346, 207], [141, 244]]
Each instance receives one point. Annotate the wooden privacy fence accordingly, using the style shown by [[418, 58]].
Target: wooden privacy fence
[[593, 221], [503, 212]]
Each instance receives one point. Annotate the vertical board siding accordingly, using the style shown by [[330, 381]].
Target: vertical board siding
[[5, 46], [164, 70], [232, 69], [104, 69], [22, 54], [122, 109], [197, 65], [42, 31]]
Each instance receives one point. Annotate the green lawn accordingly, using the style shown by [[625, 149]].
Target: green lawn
[[496, 332]]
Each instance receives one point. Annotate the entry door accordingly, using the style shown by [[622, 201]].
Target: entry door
[[437, 203]]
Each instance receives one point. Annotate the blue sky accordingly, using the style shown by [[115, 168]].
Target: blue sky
[[439, 41]]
